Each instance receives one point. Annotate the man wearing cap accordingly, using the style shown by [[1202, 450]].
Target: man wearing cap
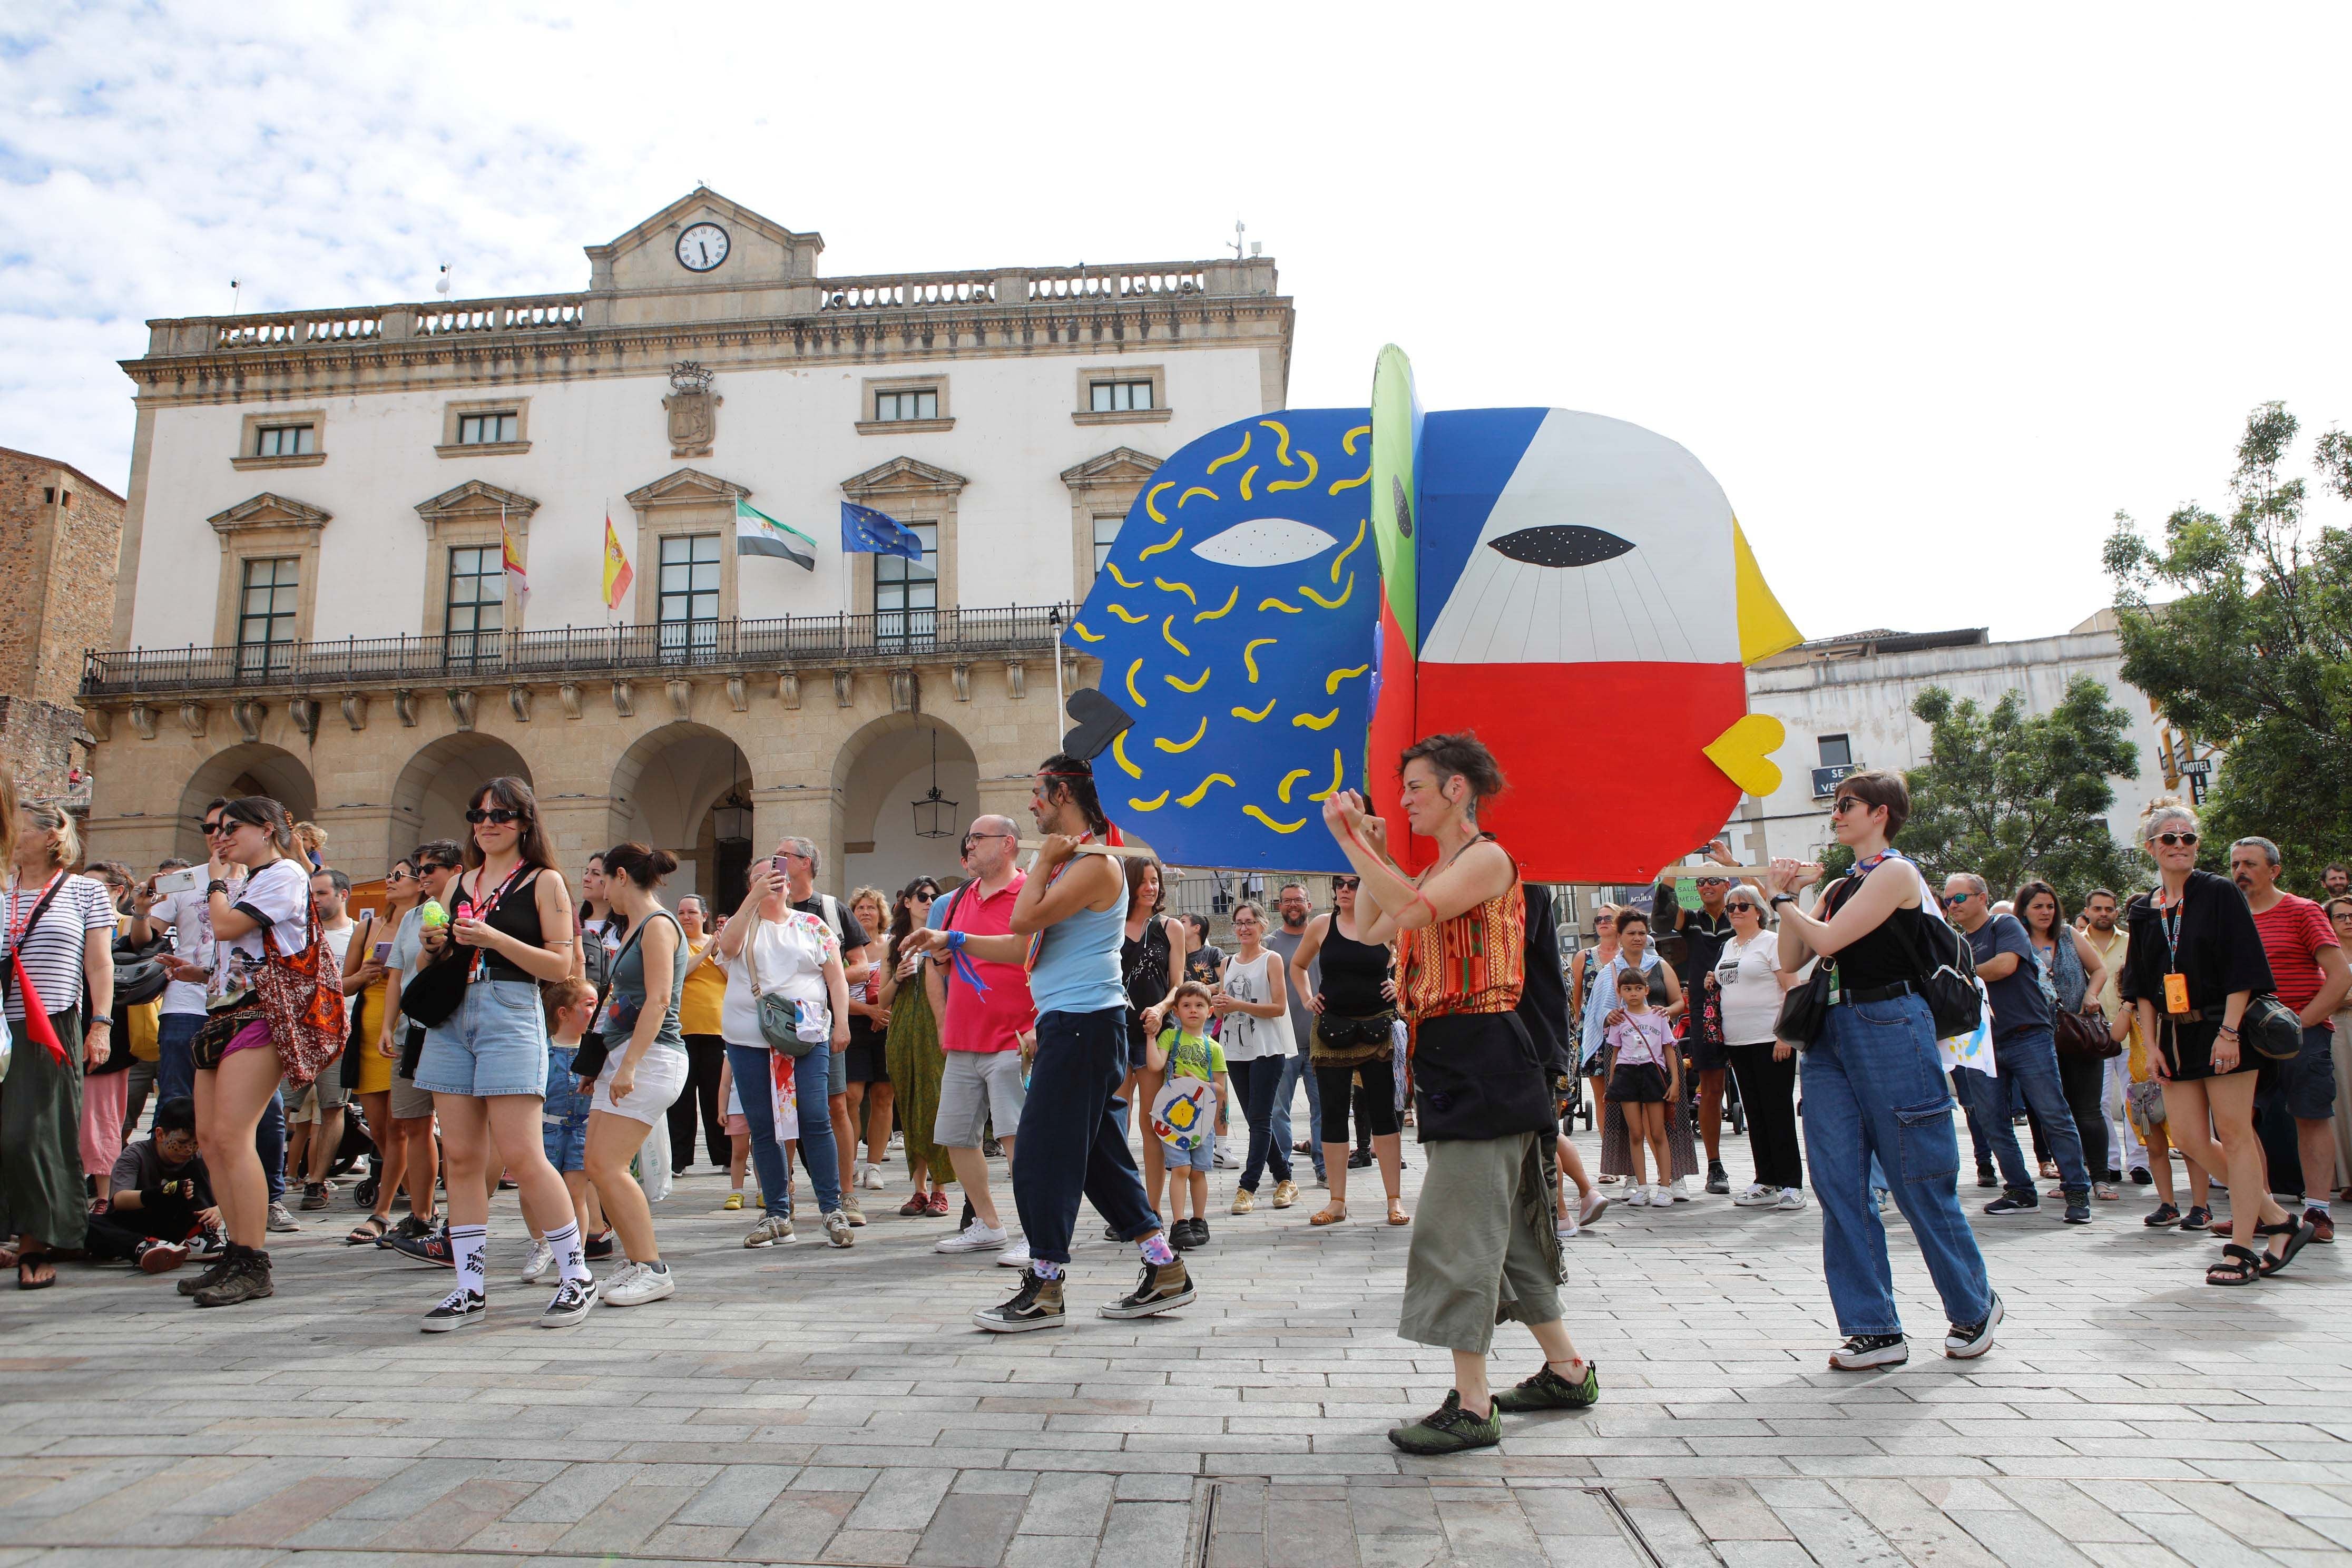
[[1703, 930]]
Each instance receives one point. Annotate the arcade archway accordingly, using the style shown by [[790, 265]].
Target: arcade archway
[[880, 774], [252, 768], [678, 788]]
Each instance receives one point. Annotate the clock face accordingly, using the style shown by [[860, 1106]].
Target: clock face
[[702, 247]]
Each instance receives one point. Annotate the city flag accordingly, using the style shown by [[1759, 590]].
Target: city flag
[[617, 572], [510, 558], [864, 530], [757, 534]]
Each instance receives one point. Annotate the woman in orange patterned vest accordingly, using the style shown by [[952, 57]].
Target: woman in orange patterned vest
[[1484, 1249]]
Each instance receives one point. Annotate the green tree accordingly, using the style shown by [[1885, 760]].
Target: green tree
[[2253, 651], [2010, 795]]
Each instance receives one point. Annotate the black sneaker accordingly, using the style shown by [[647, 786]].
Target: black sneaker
[[314, 1194], [1037, 1305], [2200, 1217], [572, 1302], [410, 1226], [1361, 1160], [2165, 1216], [1966, 1341], [1450, 1429], [1110, 1232], [2141, 1176], [432, 1250], [598, 1246], [1546, 1390], [1718, 1180], [1164, 1288], [1985, 1178], [1200, 1232], [2111, 1175], [1180, 1234], [2013, 1203], [245, 1278], [1867, 1352], [459, 1309], [2078, 1208]]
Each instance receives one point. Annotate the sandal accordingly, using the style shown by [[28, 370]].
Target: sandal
[[2298, 1234], [30, 1267], [2239, 1265], [2165, 1216], [1329, 1213], [917, 1204], [1397, 1215], [368, 1232]]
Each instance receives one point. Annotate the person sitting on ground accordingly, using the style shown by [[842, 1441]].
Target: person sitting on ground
[[163, 1197], [1185, 1050]]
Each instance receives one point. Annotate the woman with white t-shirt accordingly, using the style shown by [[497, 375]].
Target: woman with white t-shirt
[[1747, 982], [772, 949], [1257, 1043]]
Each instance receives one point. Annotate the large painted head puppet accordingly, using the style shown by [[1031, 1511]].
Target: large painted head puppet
[[1295, 598]]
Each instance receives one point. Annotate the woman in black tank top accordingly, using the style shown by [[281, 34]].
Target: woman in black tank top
[[1355, 1012], [1875, 1086], [1151, 958]]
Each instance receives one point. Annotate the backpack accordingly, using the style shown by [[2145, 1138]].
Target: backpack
[[1946, 966]]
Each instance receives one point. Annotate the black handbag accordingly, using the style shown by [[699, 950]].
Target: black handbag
[[2080, 1035], [412, 1050], [347, 1074], [434, 993], [588, 1061], [2272, 1027], [1805, 1009]]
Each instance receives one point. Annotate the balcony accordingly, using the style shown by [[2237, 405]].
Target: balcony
[[893, 637]]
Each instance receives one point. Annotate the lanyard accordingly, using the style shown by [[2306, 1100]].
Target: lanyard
[[481, 963], [16, 921], [2167, 919]]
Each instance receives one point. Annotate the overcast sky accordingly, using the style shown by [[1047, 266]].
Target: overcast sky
[[1932, 292]]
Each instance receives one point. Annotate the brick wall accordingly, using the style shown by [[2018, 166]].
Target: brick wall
[[60, 532]]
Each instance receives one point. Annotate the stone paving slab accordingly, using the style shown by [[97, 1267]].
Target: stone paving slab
[[812, 1405]]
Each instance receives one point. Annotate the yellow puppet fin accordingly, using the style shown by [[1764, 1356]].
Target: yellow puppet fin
[[1744, 753], [1764, 628]]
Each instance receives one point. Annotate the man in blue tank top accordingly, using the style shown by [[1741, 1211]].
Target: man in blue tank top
[[1067, 925]]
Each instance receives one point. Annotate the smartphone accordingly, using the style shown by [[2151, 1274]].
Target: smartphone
[[187, 879], [777, 862], [384, 952]]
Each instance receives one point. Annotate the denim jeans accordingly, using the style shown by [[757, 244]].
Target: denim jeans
[[1072, 1142], [751, 1067], [175, 1065], [1295, 1068], [1255, 1083], [2027, 1061], [1874, 1088], [270, 1143]]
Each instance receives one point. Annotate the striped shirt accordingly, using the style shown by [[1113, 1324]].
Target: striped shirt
[[52, 950], [2294, 929]]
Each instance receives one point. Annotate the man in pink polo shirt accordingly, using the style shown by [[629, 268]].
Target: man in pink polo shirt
[[982, 1030]]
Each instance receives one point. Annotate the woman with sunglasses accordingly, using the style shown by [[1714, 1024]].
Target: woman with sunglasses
[[368, 979], [2196, 959], [1355, 1033], [2072, 977], [917, 1062], [1601, 1012], [1152, 956], [1747, 983], [1874, 1088], [486, 1064], [416, 1163]]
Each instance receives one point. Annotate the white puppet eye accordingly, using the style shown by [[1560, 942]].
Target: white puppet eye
[[1265, 542]]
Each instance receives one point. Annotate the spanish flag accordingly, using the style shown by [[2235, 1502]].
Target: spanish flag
[[617, 574], [510, 557]]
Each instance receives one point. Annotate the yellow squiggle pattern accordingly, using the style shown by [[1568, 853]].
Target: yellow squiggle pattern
[[1258, 717], [1080, 627], [1201, 790], [1309, 720], [1348, 442], [1334, 788], [1247, 475], [1167, 544], [1165, 745], [1265, 605], [1331, 604], [1277, 827], [1168, 631], [1361, 524], [1124, 614], [1118, 751], [1313, 468], [1154, 804], [1187, 688], [1281, 453], [1120, 577], [1249, 654], [1331, 682], [1165, 586], [1195, 490], [1131, 691], [1232, 599], [1152, 500], [1282, 790], [1234, 456]]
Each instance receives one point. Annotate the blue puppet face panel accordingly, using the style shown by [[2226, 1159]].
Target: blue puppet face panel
[[1234, 622]]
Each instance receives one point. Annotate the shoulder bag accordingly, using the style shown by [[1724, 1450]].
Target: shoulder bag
[[1805, 1008], [2270, 1026], [306, 1016], [780, 1017], [2080, 1035]]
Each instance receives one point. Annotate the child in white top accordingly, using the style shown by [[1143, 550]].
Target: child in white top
[[1646, 1076]]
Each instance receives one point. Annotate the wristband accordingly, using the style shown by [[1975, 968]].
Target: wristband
[[1779, 899], [216, 885]]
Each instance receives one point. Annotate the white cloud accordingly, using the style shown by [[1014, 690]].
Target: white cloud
[[1931, 293]]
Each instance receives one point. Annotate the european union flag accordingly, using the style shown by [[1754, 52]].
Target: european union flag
[[874, 534]]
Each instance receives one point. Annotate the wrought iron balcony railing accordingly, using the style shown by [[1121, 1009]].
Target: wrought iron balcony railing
[[471, 659]]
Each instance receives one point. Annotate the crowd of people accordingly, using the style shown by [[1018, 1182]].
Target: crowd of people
[[480, 1031]]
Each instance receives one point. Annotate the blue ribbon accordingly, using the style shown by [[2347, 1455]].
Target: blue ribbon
[[963, 964]]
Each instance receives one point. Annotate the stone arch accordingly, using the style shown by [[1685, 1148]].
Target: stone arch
[[253, 767], [665, 789], [429, 799], [877, 775]]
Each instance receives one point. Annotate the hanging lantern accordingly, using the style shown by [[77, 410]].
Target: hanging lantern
[[935, 815], [731, 820]]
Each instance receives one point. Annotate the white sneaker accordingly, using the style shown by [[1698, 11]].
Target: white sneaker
[[977, 1237], [874, 1183], [1757, 1196], [543, 1258], [638, 1284], [1015, 1254], [1226, 1160], [1791, 1199], [1678, 1190], [618, 1278]]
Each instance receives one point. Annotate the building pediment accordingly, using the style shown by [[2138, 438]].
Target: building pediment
[[1119, 466], [269, 509], [903, 476], [475, 499], [759, 251], [687, 487]]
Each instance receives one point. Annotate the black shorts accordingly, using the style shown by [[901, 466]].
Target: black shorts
[[867, 1058], [1638, 1083], [1703, 1054]]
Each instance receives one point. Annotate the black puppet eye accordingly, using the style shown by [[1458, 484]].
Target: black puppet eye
[[1560, 544]]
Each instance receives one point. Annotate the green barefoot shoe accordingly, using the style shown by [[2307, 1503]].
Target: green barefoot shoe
[[1450, 1429], [1546, 1390]]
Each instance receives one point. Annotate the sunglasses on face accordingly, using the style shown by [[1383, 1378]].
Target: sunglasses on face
[[1346, 884], [497, 816], [216, 825], [2170, 839], [401, 877], [1844, 803]]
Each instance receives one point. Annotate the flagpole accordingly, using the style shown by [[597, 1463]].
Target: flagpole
[[1056, 648]]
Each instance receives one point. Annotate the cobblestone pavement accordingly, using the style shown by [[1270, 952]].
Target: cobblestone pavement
[[811, 1405]]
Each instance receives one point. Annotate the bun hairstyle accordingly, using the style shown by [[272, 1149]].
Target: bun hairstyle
[[1460, 754], [643, 866], [265, 813], [2162, 812]]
